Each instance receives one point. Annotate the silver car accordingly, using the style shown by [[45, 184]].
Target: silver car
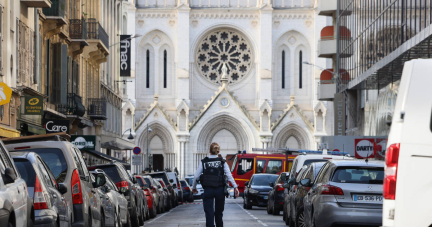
[[345, 192]]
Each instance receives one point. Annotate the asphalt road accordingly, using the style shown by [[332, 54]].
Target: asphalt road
[[234, 215]]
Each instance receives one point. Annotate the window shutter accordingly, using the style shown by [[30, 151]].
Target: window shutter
[[63, 74], [32, 57], [69, 74], [56, 76]]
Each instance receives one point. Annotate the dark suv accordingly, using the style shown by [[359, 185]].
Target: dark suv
[[168, 184], [128, 186]]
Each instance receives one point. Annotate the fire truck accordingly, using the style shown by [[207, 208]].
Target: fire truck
[[275, 161]]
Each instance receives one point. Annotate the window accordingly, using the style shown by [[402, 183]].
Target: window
[[57, 163], [359, 175], [274, 166], [264, 180], [260, 166], [293, 168], [26, 171], [148, 69], [245, 165], [235, 159], [165, 69], [309, 173], [44, 176], [283, 69], [300, 69]]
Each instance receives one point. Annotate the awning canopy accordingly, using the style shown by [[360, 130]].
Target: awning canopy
[[106, 157], [115, 143]]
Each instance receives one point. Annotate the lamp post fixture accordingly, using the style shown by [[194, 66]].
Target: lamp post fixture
[[130, 137]]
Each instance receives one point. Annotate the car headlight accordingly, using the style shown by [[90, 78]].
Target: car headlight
[[253, 191]]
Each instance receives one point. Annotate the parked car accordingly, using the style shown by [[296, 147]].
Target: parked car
[[187, 191], [276, 194], [145, 213], [176, 185], [306, 159], [169, 204], [164, 195], [14, 196], [342, 187], [114, 202], [199, 187], [47, 196], [257, 189], [158, 198], [68, 167], [167, 181], [296, 202], [151, 203], [290, 187], [127, 187]]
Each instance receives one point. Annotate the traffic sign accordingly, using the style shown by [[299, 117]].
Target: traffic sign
[[5, 94], [137, 150], [136, 160]]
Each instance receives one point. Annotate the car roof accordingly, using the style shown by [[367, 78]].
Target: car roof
[[320, 156], [263, 174], [358, 162], [39, 144]]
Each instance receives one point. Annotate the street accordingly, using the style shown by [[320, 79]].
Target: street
[[234, 215]]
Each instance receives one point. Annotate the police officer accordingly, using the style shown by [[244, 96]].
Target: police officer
[[211, 174]]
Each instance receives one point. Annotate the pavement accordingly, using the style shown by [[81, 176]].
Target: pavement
[[234, 215]]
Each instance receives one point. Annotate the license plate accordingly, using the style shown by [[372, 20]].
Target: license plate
[[265, 197], [368, 198]]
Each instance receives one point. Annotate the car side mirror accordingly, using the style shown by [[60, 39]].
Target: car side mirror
[[286, 185], [100, 180], [124, 191], [291, 181], [246, 183], [9, 176], [171, 180], [62, 188], [306, 182], [271, 184]]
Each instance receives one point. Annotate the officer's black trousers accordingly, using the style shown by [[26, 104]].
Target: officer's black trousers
[[214, 202]]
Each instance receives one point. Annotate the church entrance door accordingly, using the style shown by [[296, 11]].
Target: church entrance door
[[158, 162]]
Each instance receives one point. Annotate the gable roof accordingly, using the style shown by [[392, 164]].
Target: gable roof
[[153, 107], [214, 98], [291, 106]]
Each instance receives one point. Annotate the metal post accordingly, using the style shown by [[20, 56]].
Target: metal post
[[148, 155]]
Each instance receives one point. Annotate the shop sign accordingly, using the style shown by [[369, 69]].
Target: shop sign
[[125, 55], [5, 94], [380, 148], [84, 142], [33, 105], [55, 126], [364, 148], [339, 114], [137, 159]]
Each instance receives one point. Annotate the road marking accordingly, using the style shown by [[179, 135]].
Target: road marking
[[251, 215], [161, 215]]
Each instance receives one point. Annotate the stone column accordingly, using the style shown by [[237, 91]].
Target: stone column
[[182, 53], [265, 55]]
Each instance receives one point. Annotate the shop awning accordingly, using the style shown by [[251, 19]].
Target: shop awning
[[105, 156], [6, 132], [115, 143]]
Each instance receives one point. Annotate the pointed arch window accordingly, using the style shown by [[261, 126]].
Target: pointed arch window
[[300, 69], [148, 69], [165, 69], [283, 69]]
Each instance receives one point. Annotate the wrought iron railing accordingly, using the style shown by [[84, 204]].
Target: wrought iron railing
[[96, 31], [74, 106], [58, 8], [77, 29], [96, 108]]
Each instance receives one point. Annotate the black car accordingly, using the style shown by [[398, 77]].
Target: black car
[[276, 195], [187, 191], [167, 181], [290, 187], [128, 187], [257, 190]]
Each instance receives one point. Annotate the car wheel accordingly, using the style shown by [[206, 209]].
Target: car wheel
[[117, 220], [10, 224], [90, 219], [300, 220], [141, 216], [287, 220], [102, 222], [134, 218], [128, 220], [244, 203], [268, 207], [275, 211], [248, 204], [158, 208], [284, 213], [290, 221], [148, 214]]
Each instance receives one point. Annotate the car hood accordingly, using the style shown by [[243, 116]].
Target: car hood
[[261, 188]]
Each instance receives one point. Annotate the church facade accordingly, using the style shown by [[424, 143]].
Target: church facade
[[224, 71]]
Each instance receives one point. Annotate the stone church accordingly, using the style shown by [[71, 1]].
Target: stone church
[[224, 71]]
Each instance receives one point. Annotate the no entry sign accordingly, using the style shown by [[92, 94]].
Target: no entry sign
[[364, 148], [137, 150]]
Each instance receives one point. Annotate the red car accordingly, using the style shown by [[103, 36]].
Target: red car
[[150, 199]]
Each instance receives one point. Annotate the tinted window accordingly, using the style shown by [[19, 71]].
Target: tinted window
[[264, 180], [141, 182], [147, 180], [55, 160], [317, 168], [183, 183], [245, 165], [359, 175], [26, 171], [322, 172], [45, 174], [190, 181], [293, 169], [274, 166], [112, 172], [260, 166], [301, 173], [233, 165], [309, 161], [160, 175]]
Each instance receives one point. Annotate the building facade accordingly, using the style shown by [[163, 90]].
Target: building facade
[[189, 48]]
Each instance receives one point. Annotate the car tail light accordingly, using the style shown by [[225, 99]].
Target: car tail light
[[122, 184], [39, 199], [331, 190], [91, 167], [279, 187], [186, 188], [392, 158], [178, 186], [76, 188], [21, 148]]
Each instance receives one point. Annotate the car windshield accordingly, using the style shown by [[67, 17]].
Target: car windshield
[[55, 160], [160, 175], [26, 171], [359, 175], [183, 183], [112, 172], [147, 180], [141, 182], [264, 180]]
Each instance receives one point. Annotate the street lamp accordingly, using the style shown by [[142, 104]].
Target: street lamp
[[130, 137], [132, 37]]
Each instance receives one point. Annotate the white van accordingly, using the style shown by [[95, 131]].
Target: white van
[[306, 159], [407, 183]]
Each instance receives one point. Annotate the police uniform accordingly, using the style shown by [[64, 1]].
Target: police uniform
[[211, 174]]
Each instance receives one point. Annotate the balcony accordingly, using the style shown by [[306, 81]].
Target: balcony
[[58, 8], [328, 83], [96, 31], [74, 106], [37, 3], [78, 29], [98, 41], [328, 44], [97, 109]]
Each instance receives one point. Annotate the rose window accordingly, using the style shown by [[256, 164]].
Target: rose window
[[224, 47]]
